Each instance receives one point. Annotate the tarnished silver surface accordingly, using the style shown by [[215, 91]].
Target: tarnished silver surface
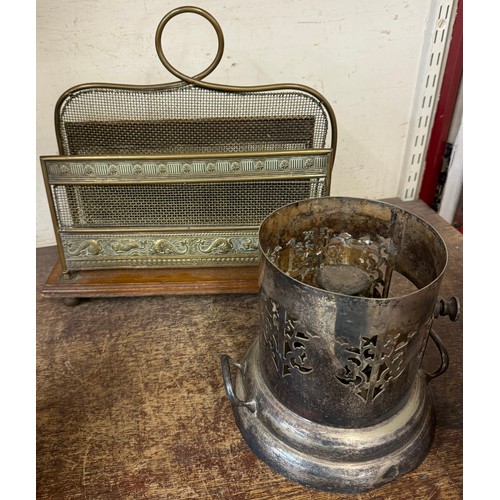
[[331, 393], [326, 457]]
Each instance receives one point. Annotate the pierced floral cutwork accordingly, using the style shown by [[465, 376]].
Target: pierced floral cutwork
[[286, 339], [376, 361]]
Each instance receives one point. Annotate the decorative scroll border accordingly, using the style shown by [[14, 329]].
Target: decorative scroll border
[[140, 169], [97, 251]]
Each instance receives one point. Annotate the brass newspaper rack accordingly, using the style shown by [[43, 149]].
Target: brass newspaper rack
[[161, 189]]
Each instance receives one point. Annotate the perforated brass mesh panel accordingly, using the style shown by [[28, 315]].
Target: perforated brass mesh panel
[[193, 204], [188, 119]]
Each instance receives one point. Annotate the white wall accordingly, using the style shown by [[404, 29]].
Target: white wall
[[363, 56]]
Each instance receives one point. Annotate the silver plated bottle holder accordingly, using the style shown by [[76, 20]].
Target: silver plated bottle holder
[[331, 393]]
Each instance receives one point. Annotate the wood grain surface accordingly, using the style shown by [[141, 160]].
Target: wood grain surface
[[144, 282], [130, 401]]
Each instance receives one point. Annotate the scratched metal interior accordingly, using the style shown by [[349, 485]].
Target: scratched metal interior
[[305, 255], [395, 251]]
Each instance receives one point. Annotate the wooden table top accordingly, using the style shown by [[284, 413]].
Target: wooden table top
[[131, 405]]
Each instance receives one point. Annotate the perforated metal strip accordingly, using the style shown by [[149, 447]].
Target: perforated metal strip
[[433, 60]]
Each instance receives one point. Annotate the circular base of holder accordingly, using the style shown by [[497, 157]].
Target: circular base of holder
[[341, 460], [342, 278]]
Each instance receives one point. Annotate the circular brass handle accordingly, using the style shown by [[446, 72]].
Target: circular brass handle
[[164, 60]]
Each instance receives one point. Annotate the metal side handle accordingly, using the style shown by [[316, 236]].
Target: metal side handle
[[226, 363], [444, 356]]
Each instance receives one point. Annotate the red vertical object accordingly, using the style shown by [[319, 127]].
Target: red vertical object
[[444, 111]]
